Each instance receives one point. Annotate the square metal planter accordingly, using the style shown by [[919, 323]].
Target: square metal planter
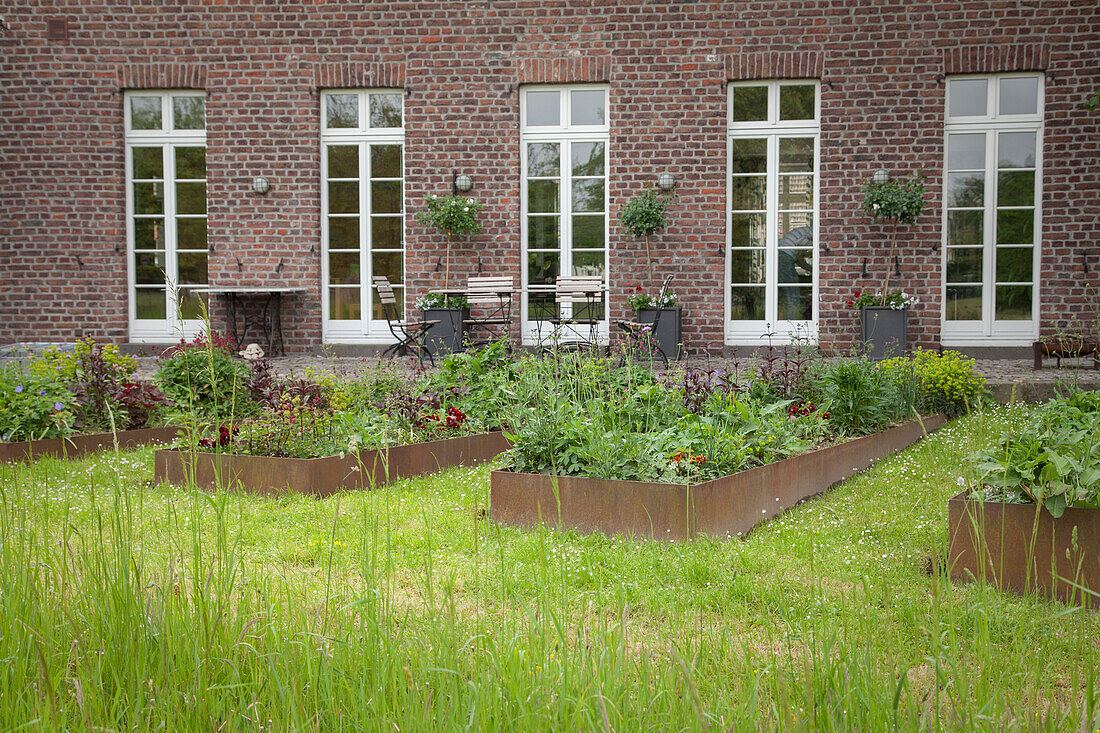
[[447, 336], [668, 329], [883, 331]]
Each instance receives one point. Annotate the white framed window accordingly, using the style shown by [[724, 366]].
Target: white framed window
[[991, 213], [772, 211], [564, 137], [362, 210], [165, 133]]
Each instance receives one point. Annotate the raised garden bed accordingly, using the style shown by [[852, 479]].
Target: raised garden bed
[[1022, 548], [79, 445], [725, 507], [323, 476]]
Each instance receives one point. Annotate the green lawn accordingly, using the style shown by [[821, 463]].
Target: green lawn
[[125, 605]]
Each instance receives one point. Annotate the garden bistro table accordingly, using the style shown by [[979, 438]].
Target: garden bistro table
[[258, 307]]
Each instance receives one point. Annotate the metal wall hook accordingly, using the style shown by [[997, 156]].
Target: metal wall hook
[[279, 267], [824, 248], [312, 248], [864, 273], [210, 249], [1085, 262], [80, 262], [240, 265], [897, 266], [479, 264], [439, 264]]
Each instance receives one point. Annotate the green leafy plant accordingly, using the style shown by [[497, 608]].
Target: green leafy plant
[[441, 300], [641, 299], [945, 383], [860, 398], [454, 216], [645, 215], [33, 408], [896, 299], [205, 377], [898, 202]]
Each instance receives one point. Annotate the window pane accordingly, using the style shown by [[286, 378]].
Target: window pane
[[1014, 264], [148, 198], [543, 160], [749, 156], [542, 109], [796, 155], [964, 264], [192, 304], [149, 233], [188, 113], [385, 232], [192, 268], [588, 107], [1019, 96], [389, 265], [343, 161], [385, 197], [796, 102], [343, 232], [588, 194], [747, 230], [1015, 226], [796, 230], [796, 192], [145, 113], [543, 232], [747, 304], [795, 304], [343, 304], [588, 159], [148, 163], [1016, 150], [191, 233], [588, 263], [342, 110], [966, 189], [588, 232], [1013, 303], [796, 266], [747, 266], [964, 227], [385, 161], [542, 196], [151, 304], [966, 152], [385, 110], [964, 303], [542, 267], [191, 198], [191, 163], [1016, 188], [343, 268], [750, 104], [541, 306], [343, 197], [149, 268], [748, 192], [968, 97]]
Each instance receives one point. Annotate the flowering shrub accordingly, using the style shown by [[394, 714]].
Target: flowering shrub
[[32, 408], [453, 215], [896, 299], [440, 300], [944, 382], [641, 299]]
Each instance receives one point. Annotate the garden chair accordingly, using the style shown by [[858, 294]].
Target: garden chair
[[409, 334], [584, 296], [492, 297], [643, 336]]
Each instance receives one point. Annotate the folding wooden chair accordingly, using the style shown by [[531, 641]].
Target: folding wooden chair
[[409, 334], [584, 296], [492, 298], [643, 336]]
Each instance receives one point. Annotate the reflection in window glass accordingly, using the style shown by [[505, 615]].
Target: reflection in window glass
[[1019, 96], [968, 97], [588, 107]]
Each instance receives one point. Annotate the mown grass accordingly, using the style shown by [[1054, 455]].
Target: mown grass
[[125, 605]]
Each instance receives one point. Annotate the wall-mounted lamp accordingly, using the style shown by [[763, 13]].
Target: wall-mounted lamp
[[881, 176], [260, 185], [463, 182], [666, 181]]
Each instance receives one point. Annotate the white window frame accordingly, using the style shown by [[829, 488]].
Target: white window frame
[[366, 330], [755, 333], [988, 331], [533, 332], [147, 330]]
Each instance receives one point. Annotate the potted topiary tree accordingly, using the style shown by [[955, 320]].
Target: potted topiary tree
[[646, 215], [456, 217], [884, 316]]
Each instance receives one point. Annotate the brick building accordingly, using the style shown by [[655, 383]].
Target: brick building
[[132, 135]]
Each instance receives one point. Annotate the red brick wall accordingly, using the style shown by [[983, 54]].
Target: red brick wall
[[62, 193]]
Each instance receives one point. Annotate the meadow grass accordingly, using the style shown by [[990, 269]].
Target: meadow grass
[[129, 606]]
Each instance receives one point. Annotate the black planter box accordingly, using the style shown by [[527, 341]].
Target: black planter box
[[883, 331], [445, 337], [668, 329]]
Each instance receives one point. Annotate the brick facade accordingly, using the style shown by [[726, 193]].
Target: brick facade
[[262, 66]]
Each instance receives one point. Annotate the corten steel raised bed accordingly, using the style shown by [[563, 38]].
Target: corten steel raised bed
[[323, 476], [1018, 549], [79, 445], [723, 507]]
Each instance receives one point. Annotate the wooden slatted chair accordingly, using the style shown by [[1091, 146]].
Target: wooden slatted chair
[[583, 293], [409, 334], [642, 337], [492, 296]]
